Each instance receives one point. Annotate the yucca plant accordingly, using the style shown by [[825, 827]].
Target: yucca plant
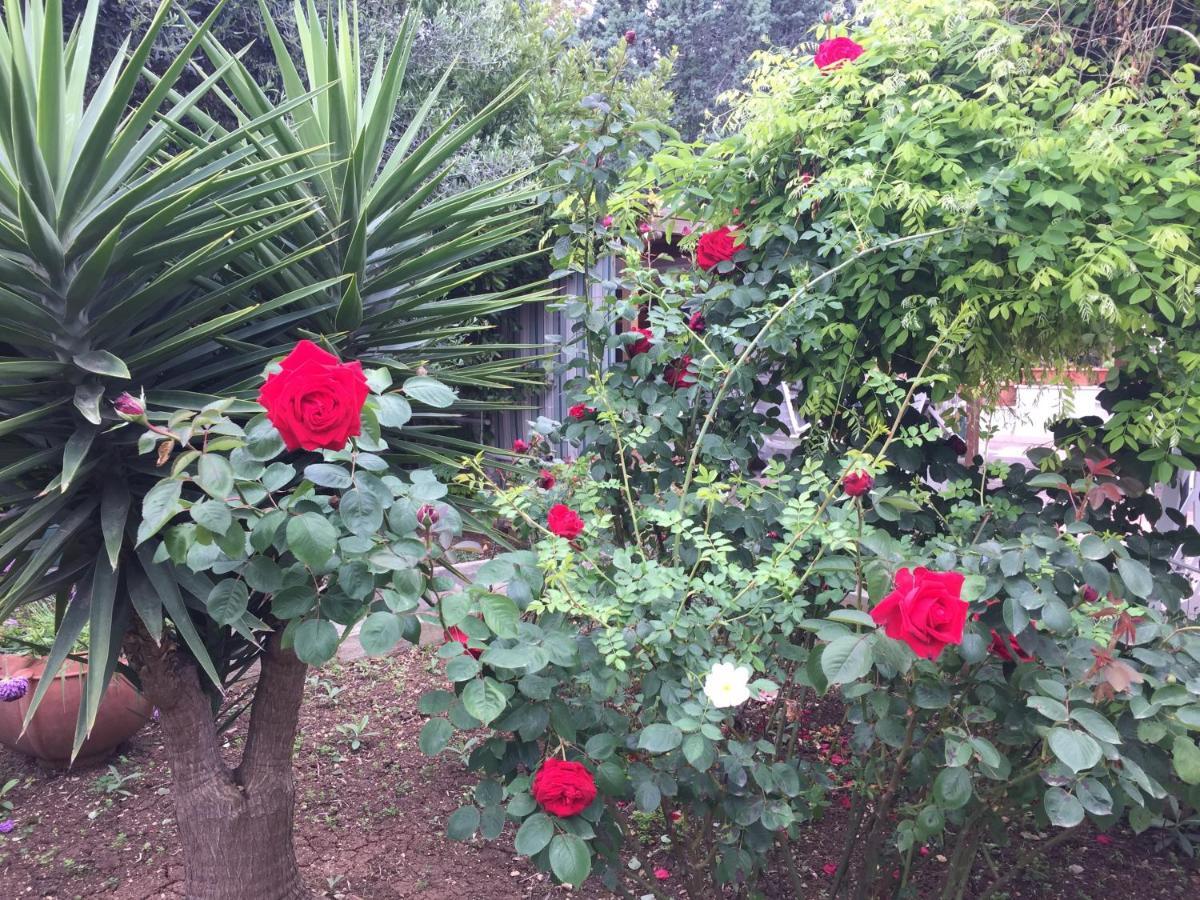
[[146, 249]]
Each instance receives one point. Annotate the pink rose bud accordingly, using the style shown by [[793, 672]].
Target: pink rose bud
[[520, 446], [129, 405], [607, 221], [631, 36], [427, 515], [644, 227]]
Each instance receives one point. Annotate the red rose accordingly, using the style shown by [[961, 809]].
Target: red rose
[[520, 446], [925, 610], [314, 400], [836, 51], [563, 788], [545, 479], [856, 484], [678, 374], [1010, 652], [454, 633], [564, 521], [643, 344], [716, 247], [1090, 594], [696, 322], [580, 411]]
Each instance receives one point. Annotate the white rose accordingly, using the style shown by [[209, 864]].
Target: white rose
[[726, 685]]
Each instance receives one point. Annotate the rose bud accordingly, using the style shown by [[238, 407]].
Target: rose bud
[[129, 405], [520, 446], [631, 36], [1090, 594], [696, 322], [607, 221], [545, 479], [856, 484], [427, 515]]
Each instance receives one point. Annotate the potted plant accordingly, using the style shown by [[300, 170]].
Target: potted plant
[[51, 731]]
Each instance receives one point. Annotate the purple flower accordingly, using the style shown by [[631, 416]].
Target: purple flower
[[7, 825], [10, 623], [13, 689], [128, 405], [154, 714]]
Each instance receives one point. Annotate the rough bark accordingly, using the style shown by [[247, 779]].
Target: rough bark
[[235, 825]]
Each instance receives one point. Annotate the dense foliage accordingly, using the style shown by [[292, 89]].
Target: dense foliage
[[711, 43]]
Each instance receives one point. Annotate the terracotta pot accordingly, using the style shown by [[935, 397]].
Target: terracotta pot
[[52, 731]]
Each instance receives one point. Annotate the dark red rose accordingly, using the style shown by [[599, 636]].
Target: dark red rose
[[1090, 594], [643, 344], [128, 405], [563, 788], [957, 444], [631, 36], [716, 247], [580, 411], [1010, 651], [925, 610], [855, 484], [836, 51], [679, 374], [520, 446], [454, 633], [545, 479], [564, 521], [696, 322], [315, 401]]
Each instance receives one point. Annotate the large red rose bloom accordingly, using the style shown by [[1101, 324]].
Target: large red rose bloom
[[564, 521], [716, 247], [836, 51], [315, 401], [563, 788], [925, 610]]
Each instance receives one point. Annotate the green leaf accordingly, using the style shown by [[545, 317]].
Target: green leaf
[[659, 738], [429, 391], [1062, 809], [534, 834], [158, 508], [1074, 749], [380, 632], [114, 512], [311, 539], [463, 823], [213, 515], [393, 411], [1136, 577], [74, 453], [102, 363], [214, 474], [315, 641], [570, 859], [484, 699], [500, 614], [463, 668], [263, 441], [847, 658], [227, 601], [952, 788], [263, 575], [1096, 724], [327, 475], [1185, 756], [361, 512], [435, 736], [1051, 709]]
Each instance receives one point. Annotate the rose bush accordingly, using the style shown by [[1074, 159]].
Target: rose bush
[[736, 518]]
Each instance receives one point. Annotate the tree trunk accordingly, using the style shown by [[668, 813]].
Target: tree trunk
[[235, 824]]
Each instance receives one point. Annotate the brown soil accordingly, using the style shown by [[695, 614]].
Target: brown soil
[[369, 821]]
